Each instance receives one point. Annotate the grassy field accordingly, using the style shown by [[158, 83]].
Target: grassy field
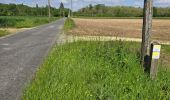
[[131, 28], [96, 71], [22, 21], [3, 33]]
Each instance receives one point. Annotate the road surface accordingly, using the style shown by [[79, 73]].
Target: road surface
[[21, 55]]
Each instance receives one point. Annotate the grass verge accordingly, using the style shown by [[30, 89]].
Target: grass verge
[[3, 33], [96, 71], [23, 21], [69, 24]]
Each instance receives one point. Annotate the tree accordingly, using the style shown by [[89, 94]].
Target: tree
[[61, 8], [154, 11], [91, 9], [37, 6]]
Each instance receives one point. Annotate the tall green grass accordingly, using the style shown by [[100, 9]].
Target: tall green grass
[[69, 24], [96, 71], [3, 33], [23, 21]]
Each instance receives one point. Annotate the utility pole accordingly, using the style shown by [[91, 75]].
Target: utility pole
[[71, 8], [146, 32], [49, 9]]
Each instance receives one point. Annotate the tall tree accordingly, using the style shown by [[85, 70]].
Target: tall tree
[[36, 5], [91, 9], [154, 11], [61, 8]]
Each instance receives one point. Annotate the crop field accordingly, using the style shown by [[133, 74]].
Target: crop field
[[131, 28], [96, 71]]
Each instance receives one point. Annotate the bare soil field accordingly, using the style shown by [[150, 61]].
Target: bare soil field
[[131, 28]]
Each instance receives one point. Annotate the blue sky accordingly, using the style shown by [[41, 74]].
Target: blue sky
[[77, 4]]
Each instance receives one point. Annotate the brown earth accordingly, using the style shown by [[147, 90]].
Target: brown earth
[[131, 28]]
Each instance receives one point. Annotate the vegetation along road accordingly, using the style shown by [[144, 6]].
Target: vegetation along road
[[21, 54]]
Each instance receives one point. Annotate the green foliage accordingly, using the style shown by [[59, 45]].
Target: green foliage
[[3, 33], [101, 10], [162, 12], [23, 21], [23, 10], [69, 24], [96, 71]]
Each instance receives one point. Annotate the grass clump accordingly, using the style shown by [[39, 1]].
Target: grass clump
[[96, 71], [23, 21], [3, 33], [69, 24]]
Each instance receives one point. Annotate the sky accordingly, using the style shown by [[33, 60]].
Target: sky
[[77, 4]]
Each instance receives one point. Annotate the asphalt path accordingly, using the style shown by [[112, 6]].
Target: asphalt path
[[21, 55]]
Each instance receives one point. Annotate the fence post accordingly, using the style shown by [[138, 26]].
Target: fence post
[[155, 55]]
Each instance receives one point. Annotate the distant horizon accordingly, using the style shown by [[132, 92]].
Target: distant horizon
[[85, 3]]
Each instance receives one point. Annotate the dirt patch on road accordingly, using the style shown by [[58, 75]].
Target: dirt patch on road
[[131, 28]]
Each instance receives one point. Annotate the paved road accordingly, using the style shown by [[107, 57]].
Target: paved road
[[20, 56]]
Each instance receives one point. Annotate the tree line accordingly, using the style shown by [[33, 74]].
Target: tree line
[[24, 10], [101, 10]]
